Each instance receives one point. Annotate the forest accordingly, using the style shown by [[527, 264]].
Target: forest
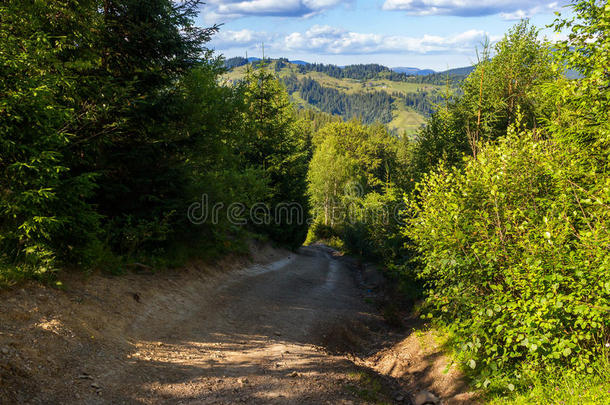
[[105, 143], [503, 211], [362, 71], [369, 107], [494, 218]]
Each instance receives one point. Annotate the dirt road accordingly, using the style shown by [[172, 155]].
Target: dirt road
[[256, 339], [297, 328], [257, 335]]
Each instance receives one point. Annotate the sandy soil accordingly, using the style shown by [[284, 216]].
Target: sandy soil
[[288, 329]]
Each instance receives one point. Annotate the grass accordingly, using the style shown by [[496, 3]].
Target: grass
[[565, 388], [10, 275], [404, 87], [348, 86], [14, 274], [558, 387], [298, 100], [235, 73], [175, 255], [407, 120]]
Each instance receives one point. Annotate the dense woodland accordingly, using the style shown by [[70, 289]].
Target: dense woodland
[[361, 72], [452, 76], [507, 211], [357, 72], [113, 122], [425, 102], [369, 107]]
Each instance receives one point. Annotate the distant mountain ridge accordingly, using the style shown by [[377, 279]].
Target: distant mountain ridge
[[239, 61], [407, 71], [413, 71]]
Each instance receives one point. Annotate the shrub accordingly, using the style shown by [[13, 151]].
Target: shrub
[[516, 248], [319, 231]]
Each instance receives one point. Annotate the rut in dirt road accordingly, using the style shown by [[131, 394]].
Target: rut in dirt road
[[259, 337], [294, 329]]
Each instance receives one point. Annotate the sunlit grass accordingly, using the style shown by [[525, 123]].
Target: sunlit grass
[[566, 388], [406, 119]]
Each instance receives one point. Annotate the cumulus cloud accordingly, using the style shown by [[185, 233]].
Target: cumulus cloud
[[507, 9], [324, 39], [223, 10], [241, 39], [331, 40]]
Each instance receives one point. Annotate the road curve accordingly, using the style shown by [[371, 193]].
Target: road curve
[[259, 336]]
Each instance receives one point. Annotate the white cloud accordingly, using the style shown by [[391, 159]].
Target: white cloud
[[218, 11], [516, 15], [324, 39], [330, 40], [241, 39], [508, 9]]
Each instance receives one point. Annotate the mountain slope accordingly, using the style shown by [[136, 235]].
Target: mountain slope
[[372, 93]]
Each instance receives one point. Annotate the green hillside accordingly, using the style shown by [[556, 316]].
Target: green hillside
[[399, 101]]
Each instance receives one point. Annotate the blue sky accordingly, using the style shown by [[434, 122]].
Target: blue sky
[[436, 34]]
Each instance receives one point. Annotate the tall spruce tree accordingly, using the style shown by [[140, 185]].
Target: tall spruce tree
[[277, 142]]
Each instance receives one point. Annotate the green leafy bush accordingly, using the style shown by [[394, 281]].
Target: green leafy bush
[[516, 248]]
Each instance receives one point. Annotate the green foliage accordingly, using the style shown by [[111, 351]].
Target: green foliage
[[136, 138], [350, 160], [425, 102], [452, 76], [113, 122], [492, 95], [214, 148], [503, 86], [319, 231], [370, 107], [561, 388], [577, 110], [278, 143], [513, 240], [514, 248], [385, 96], [374, 71], [353, 178], [42, 212], [358, 72], [317, 120]]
